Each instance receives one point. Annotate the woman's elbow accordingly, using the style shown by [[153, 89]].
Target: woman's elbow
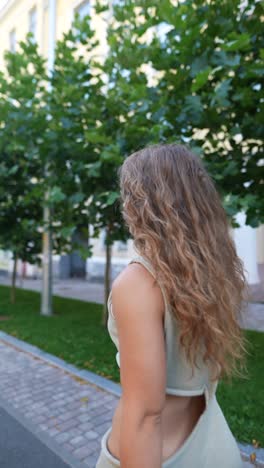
[[142, 415]]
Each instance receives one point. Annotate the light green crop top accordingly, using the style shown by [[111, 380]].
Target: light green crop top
[[179, 374]]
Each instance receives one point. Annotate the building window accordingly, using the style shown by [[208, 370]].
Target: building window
[[33, 22], [12, 40], [83, 9]]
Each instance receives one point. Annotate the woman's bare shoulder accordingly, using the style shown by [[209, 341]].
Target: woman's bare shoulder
[[135, 286]]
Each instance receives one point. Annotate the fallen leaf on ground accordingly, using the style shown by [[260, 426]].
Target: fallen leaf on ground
[[255, 443], [84, 399]]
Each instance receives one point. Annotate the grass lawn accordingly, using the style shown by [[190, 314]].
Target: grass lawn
[[75, 334]]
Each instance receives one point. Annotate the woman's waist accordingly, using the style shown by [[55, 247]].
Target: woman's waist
[[179, 416]]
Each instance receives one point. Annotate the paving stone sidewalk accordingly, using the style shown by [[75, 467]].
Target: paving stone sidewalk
[[68, 409], [56, 401]]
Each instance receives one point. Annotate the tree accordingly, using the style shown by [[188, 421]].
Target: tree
[[88, 154], [202, 64], [21, 122]]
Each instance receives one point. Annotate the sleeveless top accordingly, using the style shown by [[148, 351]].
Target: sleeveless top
[[179, 372]]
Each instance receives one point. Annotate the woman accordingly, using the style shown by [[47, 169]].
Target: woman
[[173, 315]]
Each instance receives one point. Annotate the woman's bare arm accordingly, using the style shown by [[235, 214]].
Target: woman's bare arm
[[138, 310]]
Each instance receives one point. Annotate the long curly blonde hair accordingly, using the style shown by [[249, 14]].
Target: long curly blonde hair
[[174, 213]]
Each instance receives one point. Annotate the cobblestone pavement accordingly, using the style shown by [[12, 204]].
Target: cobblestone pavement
[[70, 410], [66, 408]]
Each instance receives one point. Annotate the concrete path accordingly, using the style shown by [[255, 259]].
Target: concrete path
[[20, 448], [52, 406], [253, 318], [73, 288]]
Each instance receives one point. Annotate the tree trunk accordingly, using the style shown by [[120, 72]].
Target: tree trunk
[[13, 285], [46, 294], [107, 281]]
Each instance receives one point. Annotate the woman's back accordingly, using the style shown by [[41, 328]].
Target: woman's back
[[180, 380]]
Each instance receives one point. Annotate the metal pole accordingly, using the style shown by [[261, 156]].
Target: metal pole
[[46, 299]]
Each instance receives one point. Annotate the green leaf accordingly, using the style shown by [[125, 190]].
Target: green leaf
[[113, 196], [198, 65], [56, 195], [13, 169], [201, 79], [221, 93], [93, 169], [192, 109], [77, 197], [237, 42], [67, 231], [94, 136]]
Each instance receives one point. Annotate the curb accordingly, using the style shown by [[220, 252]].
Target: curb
[[247, 451], [91, 377]]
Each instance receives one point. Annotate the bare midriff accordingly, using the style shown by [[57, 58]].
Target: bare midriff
[[178, 420]]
